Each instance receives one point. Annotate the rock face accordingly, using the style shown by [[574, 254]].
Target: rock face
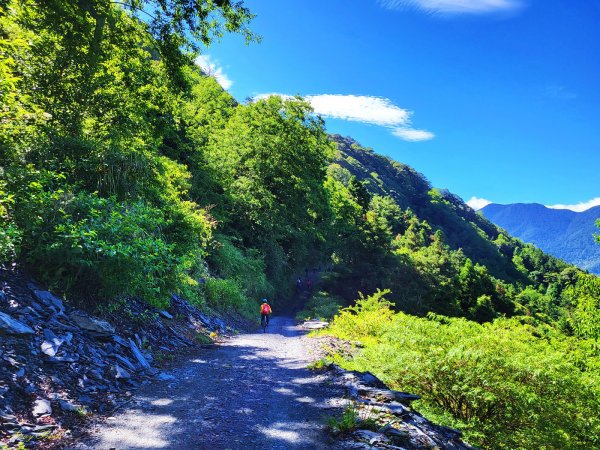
[[56, 361], [406, 429]]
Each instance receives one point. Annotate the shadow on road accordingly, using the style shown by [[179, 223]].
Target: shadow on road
[[254, 392]]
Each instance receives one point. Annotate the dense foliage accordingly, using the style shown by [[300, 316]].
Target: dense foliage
[[502, 383]]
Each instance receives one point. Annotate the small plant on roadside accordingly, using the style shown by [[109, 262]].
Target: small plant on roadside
[[203, 339], [20, 446], [353, 418], [346, 423], [319, 364], [162, 356]]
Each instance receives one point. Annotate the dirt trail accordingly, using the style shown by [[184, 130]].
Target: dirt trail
[[252, 392]]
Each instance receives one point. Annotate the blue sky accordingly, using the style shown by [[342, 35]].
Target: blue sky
[[494, 99]]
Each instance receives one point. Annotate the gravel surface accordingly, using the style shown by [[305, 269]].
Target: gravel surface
[[251, 392]]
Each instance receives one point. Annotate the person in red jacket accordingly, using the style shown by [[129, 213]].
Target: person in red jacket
[[265, 310]]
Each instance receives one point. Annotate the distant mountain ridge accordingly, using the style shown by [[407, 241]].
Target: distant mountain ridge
[[563, 233]]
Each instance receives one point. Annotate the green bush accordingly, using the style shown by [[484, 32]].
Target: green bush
[[228, 295], [79, 242], [320, 306], [10, 235], [501, 383], [246, 267]]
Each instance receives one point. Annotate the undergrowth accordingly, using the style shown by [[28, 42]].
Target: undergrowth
[[501, 383]]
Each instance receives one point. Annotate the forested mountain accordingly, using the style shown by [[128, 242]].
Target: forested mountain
[[560, 232], [126, 172]]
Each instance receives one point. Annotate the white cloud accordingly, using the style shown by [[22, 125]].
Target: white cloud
[[454, 6], [360, 108], [212, 68], [412, 135], [365, 109], [579, 207], [477, 203]]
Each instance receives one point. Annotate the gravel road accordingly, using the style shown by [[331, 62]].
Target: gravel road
[[252, 392]]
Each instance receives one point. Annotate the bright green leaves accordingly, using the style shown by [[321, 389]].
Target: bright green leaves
[[10, 235], [78, 241], [173, 28], [270, 159], [502, 384], [584, 304]]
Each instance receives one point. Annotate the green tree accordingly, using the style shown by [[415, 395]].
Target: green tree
[[271, 160], [173, 26]]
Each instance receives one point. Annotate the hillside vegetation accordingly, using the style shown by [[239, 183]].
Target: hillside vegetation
[[128, 173], [563, 233]]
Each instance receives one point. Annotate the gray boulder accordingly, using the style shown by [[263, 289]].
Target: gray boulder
[[13, 326], [89, 323], [41, 407], [49, 299]]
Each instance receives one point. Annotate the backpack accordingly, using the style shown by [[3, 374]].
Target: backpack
[[266, 309]]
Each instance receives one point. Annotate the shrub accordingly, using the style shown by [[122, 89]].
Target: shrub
[[80, 242], [10, 235], [505, 386], [246, 267], [228, 294], [320, 306]]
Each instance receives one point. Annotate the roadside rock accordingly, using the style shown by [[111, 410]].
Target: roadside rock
[[120, 373], [41, 407], [51, 352], [51, 343], [138, 355], [98, 326], [50, 300], [407, 429], [371, 437], [13, 326], [314, 324]]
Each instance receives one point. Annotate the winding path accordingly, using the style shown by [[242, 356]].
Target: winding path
[[252, 392]]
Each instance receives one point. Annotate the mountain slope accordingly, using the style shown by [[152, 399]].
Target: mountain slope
[[563, 233], [461, 226]]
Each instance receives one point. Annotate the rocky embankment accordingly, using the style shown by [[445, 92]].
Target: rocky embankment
[[384, 418], [387, 420], [59, 364]]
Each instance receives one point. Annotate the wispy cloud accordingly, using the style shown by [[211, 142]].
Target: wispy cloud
[[213, 69], [365, 109], [454, 6], [412, 135], [559, 92], [477, 203], [579, 207]]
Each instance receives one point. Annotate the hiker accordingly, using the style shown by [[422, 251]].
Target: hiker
[[265, 310]]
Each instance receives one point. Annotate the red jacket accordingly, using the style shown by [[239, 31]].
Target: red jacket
[[265, 309]]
